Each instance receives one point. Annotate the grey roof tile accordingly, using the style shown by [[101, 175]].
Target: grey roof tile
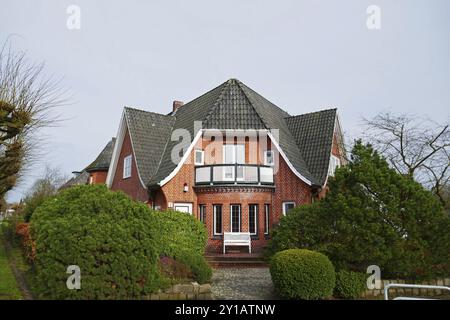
[[314, 136], [103, 159]]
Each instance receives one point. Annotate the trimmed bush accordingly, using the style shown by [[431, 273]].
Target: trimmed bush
[[182, 237], [302, 274], [105, 233], [349, 284]]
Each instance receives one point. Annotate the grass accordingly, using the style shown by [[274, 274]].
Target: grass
[[9, 290]]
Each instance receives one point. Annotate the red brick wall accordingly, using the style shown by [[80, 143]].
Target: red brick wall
[[288, 187], [98, 177], [132, 185]]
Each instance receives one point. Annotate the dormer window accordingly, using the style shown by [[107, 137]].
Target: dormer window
[[199, 157], [269, 158], [335, 162], [127, 166]]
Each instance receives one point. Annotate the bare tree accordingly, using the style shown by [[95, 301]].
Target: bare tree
[[27, 102], [414, 146]]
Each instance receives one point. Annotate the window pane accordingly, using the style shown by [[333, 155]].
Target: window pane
[[252, 218], [240, 153], [235, 218], [202, 174], [228, 153], [202, 213], [266, 219], [198, 157], [217, 219]]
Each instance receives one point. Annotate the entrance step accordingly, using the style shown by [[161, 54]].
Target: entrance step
[[230, 260]]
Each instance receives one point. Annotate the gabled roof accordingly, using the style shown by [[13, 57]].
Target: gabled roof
[[149, 133], [103, 159], [232, 105], [313, 133]]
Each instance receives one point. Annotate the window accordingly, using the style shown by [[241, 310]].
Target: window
[[127, 166], [266, 218], [202, 213], [232, 154], [288, 206], [217, 223], [183, 207], [334, 163], [235, 218], [268, 158], [199, 157], [253, 219]]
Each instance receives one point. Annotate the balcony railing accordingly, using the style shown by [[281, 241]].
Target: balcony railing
[[234, 174]]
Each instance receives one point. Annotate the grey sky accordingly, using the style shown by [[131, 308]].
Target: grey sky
[[301, 55]]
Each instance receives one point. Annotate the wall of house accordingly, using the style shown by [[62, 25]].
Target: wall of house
[[132, 185], [288, 187], [97, 177]]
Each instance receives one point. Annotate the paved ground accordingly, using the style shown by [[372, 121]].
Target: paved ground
[[242, 284]]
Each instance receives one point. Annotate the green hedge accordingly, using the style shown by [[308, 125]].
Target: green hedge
[[105, 233], [349, 284], [302, 274], [182, 237]]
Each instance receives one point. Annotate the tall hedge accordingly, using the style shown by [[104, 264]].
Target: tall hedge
[[108, 235], [372, 216]]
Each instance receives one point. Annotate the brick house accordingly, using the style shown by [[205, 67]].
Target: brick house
[[230, 157]]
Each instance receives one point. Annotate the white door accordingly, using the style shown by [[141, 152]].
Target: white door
[[183, 207]]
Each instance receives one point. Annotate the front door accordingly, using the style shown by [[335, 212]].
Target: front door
[[183, 207]]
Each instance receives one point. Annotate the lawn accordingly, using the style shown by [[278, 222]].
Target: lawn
[[9, 289]]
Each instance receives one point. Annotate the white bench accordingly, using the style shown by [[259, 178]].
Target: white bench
[[237, 239]]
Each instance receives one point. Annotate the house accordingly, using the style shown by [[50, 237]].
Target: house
[[230, 157], [96, 171]]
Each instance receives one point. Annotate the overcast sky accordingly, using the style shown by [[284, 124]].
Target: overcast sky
[[302, 55]]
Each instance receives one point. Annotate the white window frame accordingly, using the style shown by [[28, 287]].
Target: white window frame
[[234, 162], [202, 157], [127, 165], [284, 206], [335, 162], [266, 218], [215, 221], [231, 217], [265, 158], [183, 205], [256, 219]]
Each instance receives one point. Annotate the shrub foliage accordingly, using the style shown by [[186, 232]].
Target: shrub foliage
[[106, 234], [372, 215], [182, 237], [302, 274], [349, 284]]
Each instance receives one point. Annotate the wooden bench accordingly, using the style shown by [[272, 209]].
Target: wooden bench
[[237, 239]]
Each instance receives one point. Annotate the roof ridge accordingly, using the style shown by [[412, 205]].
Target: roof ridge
[[204, 94], [226, 85], [264, 122], [309, 113], [146, 111]]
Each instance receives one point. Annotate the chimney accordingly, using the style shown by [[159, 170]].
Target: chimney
[[176, 105]]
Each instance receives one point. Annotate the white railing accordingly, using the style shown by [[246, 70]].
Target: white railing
[[233, 174], [411, 286]]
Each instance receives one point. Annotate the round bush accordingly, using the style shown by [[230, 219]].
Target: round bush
[[349, 284], [106, 234], [302, 274]]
